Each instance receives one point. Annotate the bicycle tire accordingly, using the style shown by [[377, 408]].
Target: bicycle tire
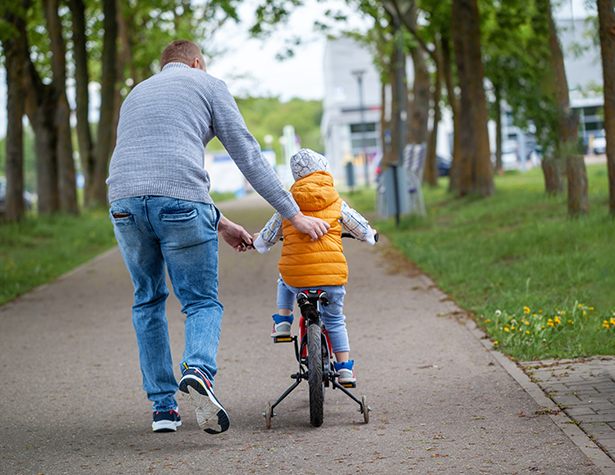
[[317, 397]]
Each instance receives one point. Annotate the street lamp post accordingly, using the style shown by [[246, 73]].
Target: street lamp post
[[359, 75]]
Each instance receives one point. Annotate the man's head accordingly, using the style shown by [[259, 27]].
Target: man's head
[[306, 161], [183, 51]]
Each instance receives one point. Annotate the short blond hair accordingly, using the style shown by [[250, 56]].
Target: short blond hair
[[181, 51]]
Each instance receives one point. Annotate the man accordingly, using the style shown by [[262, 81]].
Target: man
[[162, 214]]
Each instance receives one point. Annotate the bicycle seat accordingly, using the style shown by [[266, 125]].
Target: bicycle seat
[[305, 296]]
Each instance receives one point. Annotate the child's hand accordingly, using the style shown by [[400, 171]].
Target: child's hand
[[254, 236]]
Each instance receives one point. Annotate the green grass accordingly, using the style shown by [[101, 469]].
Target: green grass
[[516, 260], [40, 249]]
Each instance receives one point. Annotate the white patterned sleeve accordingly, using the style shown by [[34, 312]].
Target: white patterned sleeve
[[357, 225], [270, 234]]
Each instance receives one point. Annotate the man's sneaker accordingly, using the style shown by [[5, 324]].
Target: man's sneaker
[[166, 421], [281, 326], [210, 414], [346, 373]]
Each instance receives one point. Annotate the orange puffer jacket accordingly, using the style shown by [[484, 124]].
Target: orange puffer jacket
[[312, 264]]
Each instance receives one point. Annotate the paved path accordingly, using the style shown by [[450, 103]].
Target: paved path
[[585, 390], [442, 401]]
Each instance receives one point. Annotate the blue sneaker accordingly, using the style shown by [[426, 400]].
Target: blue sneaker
[[346, 373], [197, 389], [281, 326], [166, 421]]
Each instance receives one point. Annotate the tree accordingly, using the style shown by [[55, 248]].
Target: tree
[[106, 124], [61, 115], [82, 79], [606, 15], [568, 123], [14, 43], [475, 169]]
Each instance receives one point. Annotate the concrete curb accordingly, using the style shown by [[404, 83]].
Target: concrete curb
[[594, 453]]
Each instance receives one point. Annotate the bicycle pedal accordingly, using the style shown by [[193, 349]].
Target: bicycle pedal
[[348, 385], [282, 339]]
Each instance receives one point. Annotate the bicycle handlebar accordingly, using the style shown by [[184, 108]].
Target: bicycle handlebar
[[348, 235]]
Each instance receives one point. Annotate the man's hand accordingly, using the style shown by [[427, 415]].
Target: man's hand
[[235, 236], [315, 227]]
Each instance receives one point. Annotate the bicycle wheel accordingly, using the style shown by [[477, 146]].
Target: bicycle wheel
[[268, 413], [317, 396]]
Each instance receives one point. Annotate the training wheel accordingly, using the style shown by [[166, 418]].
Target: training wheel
[[365, 409], [268, 413]]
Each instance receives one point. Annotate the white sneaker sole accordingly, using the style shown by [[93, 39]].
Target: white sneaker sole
[[165, 426], [210, 414]]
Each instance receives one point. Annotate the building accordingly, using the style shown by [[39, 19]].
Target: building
[[341, 123]]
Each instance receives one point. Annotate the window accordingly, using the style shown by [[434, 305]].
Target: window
[[358, 128]]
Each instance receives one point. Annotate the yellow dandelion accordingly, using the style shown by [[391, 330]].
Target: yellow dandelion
[[526, 309], [591, 308], [539, 311], [612, 321], [526, 322], [506, 329], [488, 320], [557, 320], [527, 331], [551, 324], [496, 342]]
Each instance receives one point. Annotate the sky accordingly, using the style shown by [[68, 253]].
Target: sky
[[250, 65]]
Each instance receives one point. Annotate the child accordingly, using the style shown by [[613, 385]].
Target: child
[[320, 264]]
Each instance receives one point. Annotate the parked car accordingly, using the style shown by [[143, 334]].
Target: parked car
[[599, 143], [444, 165], [27, 197]]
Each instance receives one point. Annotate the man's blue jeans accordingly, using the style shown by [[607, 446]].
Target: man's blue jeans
[[152, 231]]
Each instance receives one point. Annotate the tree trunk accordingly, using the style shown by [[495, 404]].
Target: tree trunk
[[40, 108], [447, 68], [430, 174], [104, 143], [399, 106], [498, 129], [419, 112], [606, 16], [552, 169], [475, 168], [82, 80], [66, 164], [16, 53], [386, 123], [568, 122]]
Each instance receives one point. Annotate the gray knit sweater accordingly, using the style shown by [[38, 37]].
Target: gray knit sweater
[[165, 123]]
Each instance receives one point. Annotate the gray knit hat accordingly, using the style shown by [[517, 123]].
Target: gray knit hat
[[306, 161]]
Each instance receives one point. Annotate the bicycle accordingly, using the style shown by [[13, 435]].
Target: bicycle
[[314, 355]]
